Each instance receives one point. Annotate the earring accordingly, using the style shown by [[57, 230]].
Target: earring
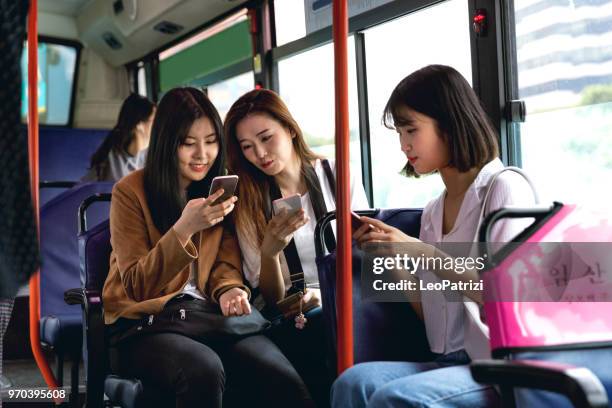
[[300, 319]]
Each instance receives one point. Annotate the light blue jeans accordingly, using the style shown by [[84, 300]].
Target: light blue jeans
[[445, 382]]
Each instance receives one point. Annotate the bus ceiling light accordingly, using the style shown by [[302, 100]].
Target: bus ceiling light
[[111, 40], [479, 22], [167, 27]]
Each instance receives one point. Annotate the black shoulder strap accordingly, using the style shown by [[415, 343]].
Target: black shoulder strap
[[330, 239], [330, 176]]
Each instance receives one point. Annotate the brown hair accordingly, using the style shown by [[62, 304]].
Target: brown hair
[[253, 188], [440, 92]]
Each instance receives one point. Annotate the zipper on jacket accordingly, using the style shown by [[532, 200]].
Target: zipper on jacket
[[151, 319], [183, 314]]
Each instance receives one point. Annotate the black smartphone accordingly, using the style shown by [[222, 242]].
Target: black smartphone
[[227, 183]]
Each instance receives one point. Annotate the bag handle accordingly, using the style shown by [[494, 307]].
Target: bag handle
[[476, 335], [487, 196]]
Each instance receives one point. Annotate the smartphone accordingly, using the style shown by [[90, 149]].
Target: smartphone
[[292, 204], [356, 222], [227, 183]]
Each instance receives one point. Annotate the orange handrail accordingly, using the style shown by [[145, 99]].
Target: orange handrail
[[344, 267], [42, 363]]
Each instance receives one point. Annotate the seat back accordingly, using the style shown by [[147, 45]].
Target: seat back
[[60, 269], [67, 155], [94, 252], [382, 331], [526, 289]]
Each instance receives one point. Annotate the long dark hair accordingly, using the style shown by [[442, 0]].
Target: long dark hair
[[440, 92], [177, 111], [249, 216], [135, 109]]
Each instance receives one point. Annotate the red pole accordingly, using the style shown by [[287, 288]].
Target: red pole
[[34, 177], [344, 267]]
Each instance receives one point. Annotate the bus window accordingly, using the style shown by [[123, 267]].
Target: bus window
[[394, 50], [215, 54], [565, 78], [289, 20], [223, 94], [306, 83], [56, 67], [142, 81]]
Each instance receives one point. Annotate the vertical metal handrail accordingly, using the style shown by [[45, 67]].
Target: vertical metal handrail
[[42, 363], [344, 300]]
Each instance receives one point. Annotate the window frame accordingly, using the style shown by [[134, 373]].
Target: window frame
[[78, 48], [485, 54]]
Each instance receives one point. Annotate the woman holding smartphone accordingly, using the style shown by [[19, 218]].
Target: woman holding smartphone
[[171, 249], [266, 149]]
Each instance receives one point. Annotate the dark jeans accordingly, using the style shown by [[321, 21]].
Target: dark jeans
[[307, 351], [188, 373]]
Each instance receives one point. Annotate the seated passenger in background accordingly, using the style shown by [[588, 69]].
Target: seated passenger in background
[[125, 147], [442, 128], [266, 149], [173, 252]]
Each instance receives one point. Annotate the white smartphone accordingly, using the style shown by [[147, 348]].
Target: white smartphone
[[227, 183], [291, 204]]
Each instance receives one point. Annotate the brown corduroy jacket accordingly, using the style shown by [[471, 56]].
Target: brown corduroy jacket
[[147, 269]]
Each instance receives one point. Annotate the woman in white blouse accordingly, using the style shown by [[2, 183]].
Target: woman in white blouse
[[442, 128], [267, 150]]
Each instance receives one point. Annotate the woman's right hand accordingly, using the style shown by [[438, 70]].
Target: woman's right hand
[[199, 215], [279, 231]]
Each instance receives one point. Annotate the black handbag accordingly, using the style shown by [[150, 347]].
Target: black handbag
[[201, 320]]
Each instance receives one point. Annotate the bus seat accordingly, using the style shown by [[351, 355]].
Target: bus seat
[[382, 331], [60, 324], [549, 351], [94, 253], [67, 152]]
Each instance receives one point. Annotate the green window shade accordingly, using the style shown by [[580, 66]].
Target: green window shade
[[224, 49]]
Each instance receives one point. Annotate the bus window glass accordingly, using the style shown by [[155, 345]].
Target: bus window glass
[[289, 20], [307, 86], [223, 94], [142, 81], [56, 67], [393, 50], [565, 78]]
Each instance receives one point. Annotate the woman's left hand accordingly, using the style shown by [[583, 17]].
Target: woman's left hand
[[235, 302], [375, 230], [380, 233]]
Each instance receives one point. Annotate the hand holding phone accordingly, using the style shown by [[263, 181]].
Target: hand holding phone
[[292, 204], [356, 222], [280, 228], [227, 183]]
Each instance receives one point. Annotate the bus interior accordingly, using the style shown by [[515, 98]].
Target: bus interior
[[541, 68]]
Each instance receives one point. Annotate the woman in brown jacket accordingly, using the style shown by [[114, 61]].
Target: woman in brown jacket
[[171, 246]]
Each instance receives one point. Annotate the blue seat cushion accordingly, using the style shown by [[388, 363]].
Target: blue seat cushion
[[122, 391], [62, 332]]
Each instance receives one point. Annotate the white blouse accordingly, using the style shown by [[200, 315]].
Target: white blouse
[[444, 320], [303, 237]]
